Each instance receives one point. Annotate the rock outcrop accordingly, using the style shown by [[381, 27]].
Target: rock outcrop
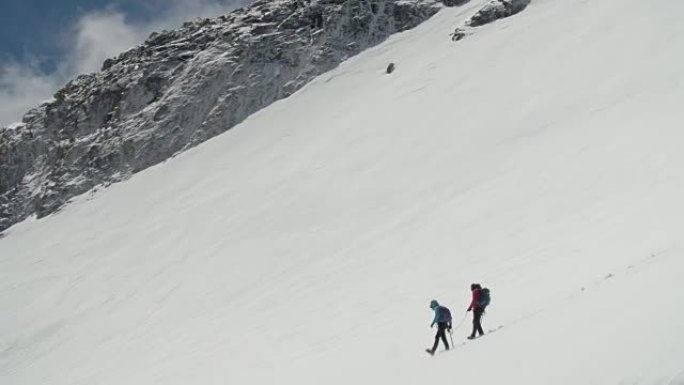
[[490, 12], [497, 9]]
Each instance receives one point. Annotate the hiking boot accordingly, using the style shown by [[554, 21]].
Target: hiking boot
[[430, 352]]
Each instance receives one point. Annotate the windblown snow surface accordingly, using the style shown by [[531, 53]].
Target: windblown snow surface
[[541, 156]]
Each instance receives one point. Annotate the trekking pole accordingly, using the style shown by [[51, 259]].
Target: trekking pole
[[451, 331]]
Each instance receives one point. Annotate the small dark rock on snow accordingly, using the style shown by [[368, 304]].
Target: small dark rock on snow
[[390, 68], [458, 34]]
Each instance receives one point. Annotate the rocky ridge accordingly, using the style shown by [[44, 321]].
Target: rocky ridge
[[180, 88]]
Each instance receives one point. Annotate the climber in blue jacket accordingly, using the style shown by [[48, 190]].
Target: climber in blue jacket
[[443, 321]]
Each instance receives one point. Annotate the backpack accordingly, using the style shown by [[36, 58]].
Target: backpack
[[445, 315], [484, 297]]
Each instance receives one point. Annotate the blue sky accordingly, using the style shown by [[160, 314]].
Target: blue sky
[[44, 43], [40, 29]]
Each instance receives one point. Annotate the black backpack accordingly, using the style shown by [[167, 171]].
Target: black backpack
[[485, 297]]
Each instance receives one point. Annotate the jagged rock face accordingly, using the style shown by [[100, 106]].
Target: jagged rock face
[[180, 88], [497, 9]]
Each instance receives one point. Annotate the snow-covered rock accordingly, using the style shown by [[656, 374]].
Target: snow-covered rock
[[180, 88], [497, 9], [454, 3], [491, 11]]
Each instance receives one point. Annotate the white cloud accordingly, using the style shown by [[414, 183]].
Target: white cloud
[[95, 37], [22, 86], [99, 36]]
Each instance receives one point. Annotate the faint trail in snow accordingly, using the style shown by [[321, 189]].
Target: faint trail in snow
[[678, 379], [463, 343], [561, 299]]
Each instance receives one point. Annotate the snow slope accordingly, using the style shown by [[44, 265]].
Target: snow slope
[[541, 156]]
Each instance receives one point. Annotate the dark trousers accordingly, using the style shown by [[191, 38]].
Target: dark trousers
[[441, 334], [477, 321]]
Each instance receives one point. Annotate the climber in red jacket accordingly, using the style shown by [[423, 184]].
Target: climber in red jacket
[[478, 308]]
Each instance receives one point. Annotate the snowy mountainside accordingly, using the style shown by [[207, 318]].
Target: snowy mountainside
[[180, 88], [540, 155]]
